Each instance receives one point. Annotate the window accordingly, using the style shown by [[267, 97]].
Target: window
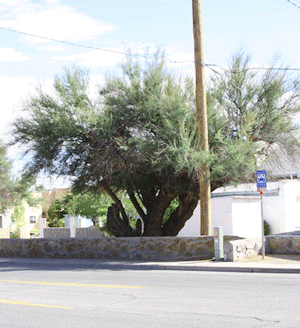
[[32, 219]]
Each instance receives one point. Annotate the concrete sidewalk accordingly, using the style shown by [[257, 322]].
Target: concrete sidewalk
[[279, 263], [270, 264]]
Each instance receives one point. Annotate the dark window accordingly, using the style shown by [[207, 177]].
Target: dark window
[[32, 219]]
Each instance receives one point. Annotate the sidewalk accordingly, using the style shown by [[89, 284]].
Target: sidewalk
[[270, 264], [275, 263]]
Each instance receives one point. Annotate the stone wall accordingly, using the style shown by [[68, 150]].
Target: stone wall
[[144, 248], [4, 233], [283, 244], [89, 233], [140, 248], [56, 233], [65, 233]]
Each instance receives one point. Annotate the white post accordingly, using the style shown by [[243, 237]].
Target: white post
[[71, 224], [218, 243], [42, 226], [72, 227]]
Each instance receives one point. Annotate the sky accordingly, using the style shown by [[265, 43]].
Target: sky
[[104, 29]]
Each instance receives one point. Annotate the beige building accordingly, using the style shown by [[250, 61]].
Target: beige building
[[32, 216]]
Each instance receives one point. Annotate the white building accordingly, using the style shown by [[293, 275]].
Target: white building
[[238, 209]]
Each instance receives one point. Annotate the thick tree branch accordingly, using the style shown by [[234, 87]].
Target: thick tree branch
[[114, 197], [136, 205]]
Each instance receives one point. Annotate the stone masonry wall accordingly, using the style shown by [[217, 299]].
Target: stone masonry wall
[[283, 244], [89, 233], [140, 248], [56, 233]]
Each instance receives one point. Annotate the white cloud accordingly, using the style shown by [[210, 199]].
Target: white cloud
[[57, 22], [53, 48], [10, 55], [52, 1], [11, 3], [108, 57], [94, 58], [13, 90]]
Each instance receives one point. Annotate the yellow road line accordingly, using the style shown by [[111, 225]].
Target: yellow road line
[[25, 303], [45, 283]]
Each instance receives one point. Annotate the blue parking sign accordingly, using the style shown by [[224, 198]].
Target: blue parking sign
[[261, 179]]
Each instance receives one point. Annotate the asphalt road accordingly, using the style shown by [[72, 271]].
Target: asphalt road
[[56, 295]]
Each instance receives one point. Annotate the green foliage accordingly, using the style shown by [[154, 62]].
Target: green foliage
[[56, 212], [12, 191], [14, 234], [89, 205], [18, 218], [7, 195], [267, 228], [250, 115], [171, 208]]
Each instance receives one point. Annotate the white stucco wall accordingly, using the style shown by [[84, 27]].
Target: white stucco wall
[[221, 214], [241, 215], [192, 226], [274, 211], [292, 204], [221, 211], [246, 216], [6, 220]]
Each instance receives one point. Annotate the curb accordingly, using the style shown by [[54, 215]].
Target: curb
[[233, 269]]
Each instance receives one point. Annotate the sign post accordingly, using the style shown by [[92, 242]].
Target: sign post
[[261, 182]]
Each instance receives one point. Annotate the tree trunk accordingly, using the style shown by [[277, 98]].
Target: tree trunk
[[153, 219], [178, 218], [153, 223], [119, 227]]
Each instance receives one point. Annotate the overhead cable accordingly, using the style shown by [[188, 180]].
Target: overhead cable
[[141, 55], [86, 46], [293, 4]]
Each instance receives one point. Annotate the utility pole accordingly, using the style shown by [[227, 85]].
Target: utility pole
[[204, 172]]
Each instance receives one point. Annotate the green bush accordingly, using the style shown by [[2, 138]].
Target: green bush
[[267, 228], [14, 234]]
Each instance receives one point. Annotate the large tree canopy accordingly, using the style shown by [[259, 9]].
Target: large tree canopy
[[140, 136]]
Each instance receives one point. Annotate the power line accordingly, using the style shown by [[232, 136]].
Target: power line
[[88, 47], [253, 68], [293, 4], [141, 55], [60, 41]]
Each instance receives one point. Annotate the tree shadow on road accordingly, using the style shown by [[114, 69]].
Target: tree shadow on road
[[22, 264]]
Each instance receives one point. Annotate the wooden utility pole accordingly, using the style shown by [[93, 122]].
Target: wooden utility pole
[[204, 173]]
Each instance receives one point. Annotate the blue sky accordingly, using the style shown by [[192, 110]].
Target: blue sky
[[263, 28]]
